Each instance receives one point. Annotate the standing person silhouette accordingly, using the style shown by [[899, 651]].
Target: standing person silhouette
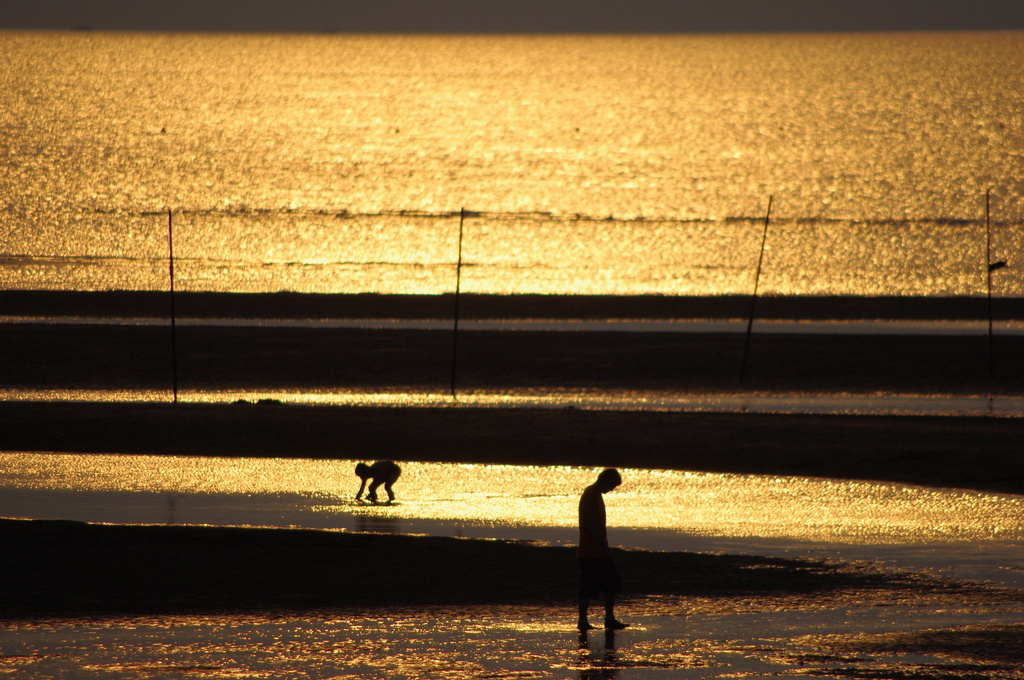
[[384, 472], [598, 573]]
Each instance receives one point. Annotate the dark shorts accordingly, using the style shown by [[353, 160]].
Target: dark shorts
[[599, 576]]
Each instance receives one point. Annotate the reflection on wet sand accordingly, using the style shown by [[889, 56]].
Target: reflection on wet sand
[[601, 662], [378, 524], [778, 402], [967, 651], [601, 658], [798, 509], [516, 643]]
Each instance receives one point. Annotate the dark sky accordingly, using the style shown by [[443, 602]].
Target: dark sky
[[515, 16]]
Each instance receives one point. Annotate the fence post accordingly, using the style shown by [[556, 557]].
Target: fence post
[[458, 290], [174, 317], [753, 297]]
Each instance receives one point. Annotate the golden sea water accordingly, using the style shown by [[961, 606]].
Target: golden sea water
[[599, 164]]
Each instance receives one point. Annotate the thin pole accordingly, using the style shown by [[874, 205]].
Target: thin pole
[[174, 316], [988, 271], [458, 291], [753, 297]]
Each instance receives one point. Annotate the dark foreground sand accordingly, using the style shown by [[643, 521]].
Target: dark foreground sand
[[65, 571], [56, 568]]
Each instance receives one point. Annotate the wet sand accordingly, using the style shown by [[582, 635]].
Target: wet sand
[[969, 651], [64, 575], [964, 452], [973, 452], [67, 569], [156, 304], [42, 356], [60, 568]]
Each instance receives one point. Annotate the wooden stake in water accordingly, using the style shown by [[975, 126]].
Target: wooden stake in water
[[753, 297], [990, 267], [174, 316], [988, 274], [458, 290]]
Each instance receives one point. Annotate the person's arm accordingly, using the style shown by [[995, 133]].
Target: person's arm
[[593, 533], [362, 486]]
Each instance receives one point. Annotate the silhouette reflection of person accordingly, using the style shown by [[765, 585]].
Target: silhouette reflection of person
[[599, 664], [598, 573], [384, 472]]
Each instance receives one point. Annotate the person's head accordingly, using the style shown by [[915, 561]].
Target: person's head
[[363, 470], [608, 479]]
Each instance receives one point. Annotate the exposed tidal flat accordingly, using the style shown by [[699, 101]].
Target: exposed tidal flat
[[118, 601], [99, 354], [181, 569], [174, 599], [516, 343], [324, 306], [962, 452], [131, 601]]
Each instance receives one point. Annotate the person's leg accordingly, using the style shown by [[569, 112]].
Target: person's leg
[[583, 623], [612, 585], [391, 494], [586, 588], [372, 496], [610, 622]]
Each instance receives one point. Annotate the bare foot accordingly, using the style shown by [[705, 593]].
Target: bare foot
[[615, 624]]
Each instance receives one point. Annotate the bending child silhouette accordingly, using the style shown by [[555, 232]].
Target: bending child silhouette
[[598, 573], [384, 472]]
